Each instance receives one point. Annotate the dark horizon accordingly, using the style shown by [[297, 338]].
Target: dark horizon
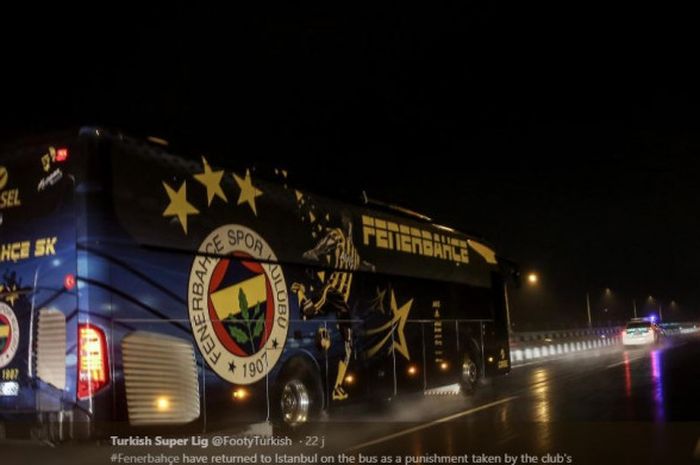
[[575, 157]]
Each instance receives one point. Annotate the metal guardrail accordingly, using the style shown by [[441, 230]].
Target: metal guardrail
[[536, 345], [671, 329]]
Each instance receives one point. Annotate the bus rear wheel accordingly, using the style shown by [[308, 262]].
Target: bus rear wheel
[[469, 375]]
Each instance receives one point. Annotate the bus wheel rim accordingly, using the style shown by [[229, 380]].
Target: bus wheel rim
[[469, 371], [295, 403]]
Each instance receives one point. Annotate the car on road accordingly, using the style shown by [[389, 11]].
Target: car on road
[[640, 332]]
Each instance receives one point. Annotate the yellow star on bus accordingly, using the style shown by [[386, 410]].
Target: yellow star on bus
[[12, 295], [248, 191], [212, 181], [179, 206], [396, 325]]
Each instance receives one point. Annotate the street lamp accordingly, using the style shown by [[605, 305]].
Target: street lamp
[[651, 301], [588, 308], [607, 292], [532, 278]]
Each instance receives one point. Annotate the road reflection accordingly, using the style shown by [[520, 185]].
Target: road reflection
[[657, 386], [540, 383], [542, 407], [417, 442], [628, 376], [628, 385]]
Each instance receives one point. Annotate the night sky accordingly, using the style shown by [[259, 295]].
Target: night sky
[[569, 139]]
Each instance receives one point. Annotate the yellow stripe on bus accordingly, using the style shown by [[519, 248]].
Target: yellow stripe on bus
[[226, 301], [486, 252]]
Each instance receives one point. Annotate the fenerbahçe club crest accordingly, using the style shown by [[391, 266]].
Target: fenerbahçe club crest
[[9, 335], [238, 307]]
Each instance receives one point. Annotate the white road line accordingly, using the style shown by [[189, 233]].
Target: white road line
[[431, 424], [625, 361], [645, 355], [542, 360]]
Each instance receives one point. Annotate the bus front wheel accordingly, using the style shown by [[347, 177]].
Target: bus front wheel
[[469, 375], [298, 399], [295, 403]]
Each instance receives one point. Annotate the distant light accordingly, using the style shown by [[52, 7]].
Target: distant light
[[240, 394], [444, 366], [61, 155], [412, 370], [163, 404], [490, 359], [532, 278], [653, 318], [350, 378]]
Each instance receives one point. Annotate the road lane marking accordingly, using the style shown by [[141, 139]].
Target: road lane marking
[[617, 364], [544, 360], [646, 354], [430, 424]]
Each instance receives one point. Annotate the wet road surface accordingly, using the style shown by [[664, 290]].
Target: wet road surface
[[612, 406]]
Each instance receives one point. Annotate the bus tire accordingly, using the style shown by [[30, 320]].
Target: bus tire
[[81, 426], [469, 374], [298, 397]]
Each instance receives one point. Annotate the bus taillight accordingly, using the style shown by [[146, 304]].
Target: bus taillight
[[61, 155], [69, 282], [93, 365]]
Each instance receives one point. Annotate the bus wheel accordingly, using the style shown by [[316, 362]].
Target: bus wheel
[[469, 375], [295, 403], [298, 399]]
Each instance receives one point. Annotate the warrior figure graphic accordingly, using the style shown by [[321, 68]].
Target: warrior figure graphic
[[336, 250]]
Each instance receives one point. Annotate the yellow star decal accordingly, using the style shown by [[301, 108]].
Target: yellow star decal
[[396, 325], [248, 191], [212, 181], [12, 295], [179, 206], [377, 303]]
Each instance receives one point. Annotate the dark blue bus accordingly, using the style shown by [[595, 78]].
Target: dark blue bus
[[144, 291]]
